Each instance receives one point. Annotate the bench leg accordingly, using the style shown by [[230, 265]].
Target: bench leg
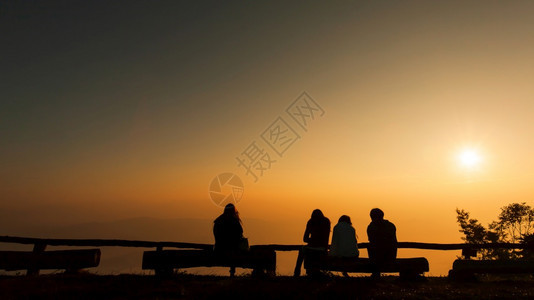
[[263, 262], [37, 248], [298, 266]]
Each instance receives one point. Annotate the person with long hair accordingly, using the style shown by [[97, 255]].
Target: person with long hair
[[317, 231], [344, 240], [228, 231], [316, 237]]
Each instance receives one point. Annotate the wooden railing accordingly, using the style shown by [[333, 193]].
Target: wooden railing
[[39, 259], [277, 247], [100, 243]]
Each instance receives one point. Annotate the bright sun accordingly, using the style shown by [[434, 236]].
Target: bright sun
[[469, 158]]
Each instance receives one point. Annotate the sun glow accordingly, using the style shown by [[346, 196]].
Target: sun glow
[[469, 158]]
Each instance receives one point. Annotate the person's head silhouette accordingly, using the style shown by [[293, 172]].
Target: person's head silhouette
[[317, 214], [229, 208], [231, 211], [345, 218], [376, 214]]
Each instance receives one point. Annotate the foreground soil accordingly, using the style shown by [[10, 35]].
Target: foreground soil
[[185, 286]]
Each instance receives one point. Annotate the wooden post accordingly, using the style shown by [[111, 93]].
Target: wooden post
[[37, 248], [162, 271], [300, 259], [159, 272], [468, 252], [232, 271]]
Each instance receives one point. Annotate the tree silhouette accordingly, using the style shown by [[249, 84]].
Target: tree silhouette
[[515, 224]]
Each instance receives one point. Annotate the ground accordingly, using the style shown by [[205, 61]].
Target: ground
[[184, 286]]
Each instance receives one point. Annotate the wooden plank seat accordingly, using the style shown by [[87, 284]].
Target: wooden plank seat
[[165, 261], [467, 268], [406, 267], [70, 260]]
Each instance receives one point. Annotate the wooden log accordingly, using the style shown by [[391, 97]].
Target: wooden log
[[162, 259], [493, 266], [260, 259], [417, 265], [63, 259]]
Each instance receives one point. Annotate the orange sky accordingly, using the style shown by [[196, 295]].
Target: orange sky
[[134, 112]]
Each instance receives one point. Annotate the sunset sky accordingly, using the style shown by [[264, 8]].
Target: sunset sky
[[120, 109]]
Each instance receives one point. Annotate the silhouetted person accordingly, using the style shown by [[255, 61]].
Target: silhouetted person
[[228, 234], [344, 242], [316, 236], [317, 231], [382, 240]]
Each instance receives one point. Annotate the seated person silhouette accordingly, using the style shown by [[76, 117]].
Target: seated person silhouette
[[317, 231], [344, 241], [382, 241], [228, 234], [316, 236]]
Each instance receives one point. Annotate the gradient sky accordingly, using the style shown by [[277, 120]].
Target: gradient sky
[[119, 109]]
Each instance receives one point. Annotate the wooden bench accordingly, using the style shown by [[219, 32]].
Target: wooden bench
[[33, 261], [467, 268], [165, 261], [406, 267]]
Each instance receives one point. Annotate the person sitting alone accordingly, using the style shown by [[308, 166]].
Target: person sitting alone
[[228, 234], [382, 240]]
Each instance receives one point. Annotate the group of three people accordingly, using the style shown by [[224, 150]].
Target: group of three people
[[382, 249], [381, 233]]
